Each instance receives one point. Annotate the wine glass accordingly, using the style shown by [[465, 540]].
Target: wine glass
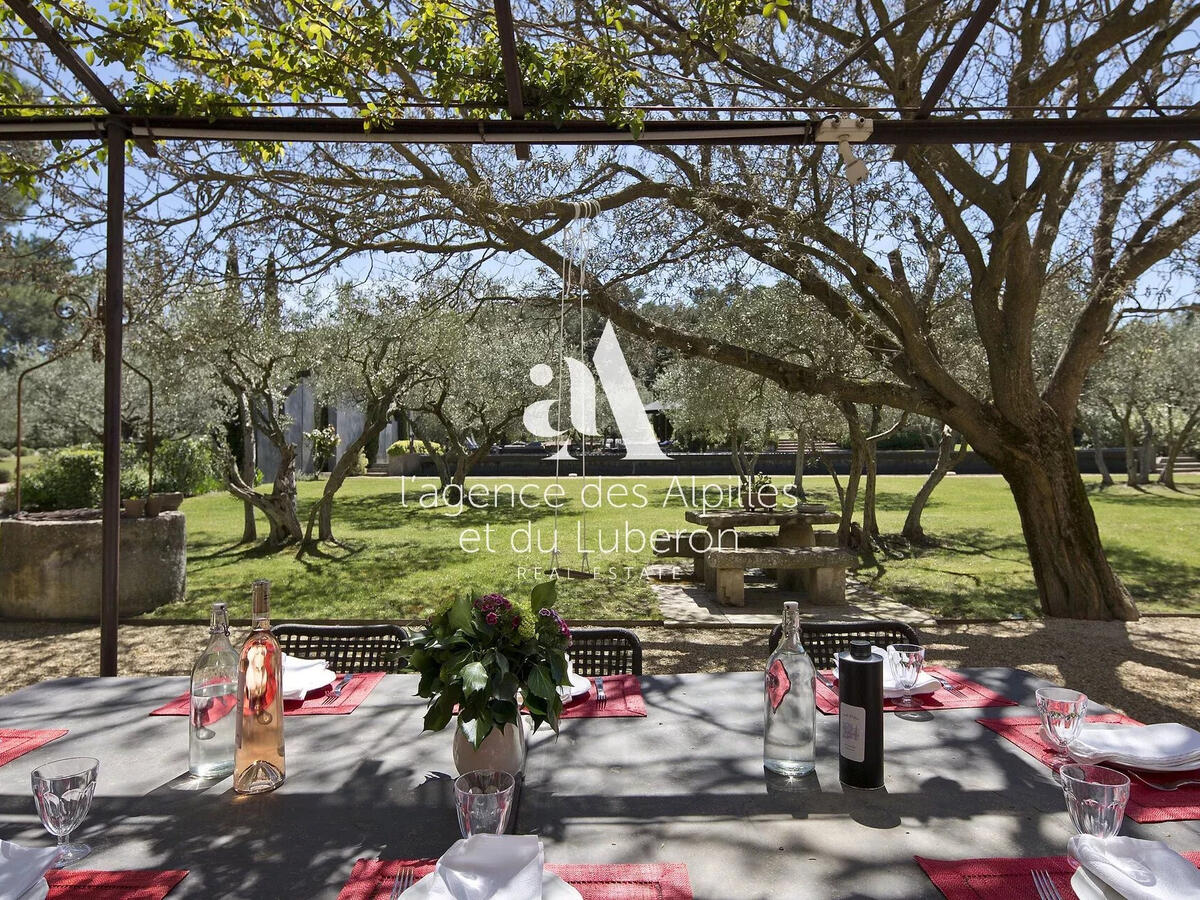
[[907, 661], [62, 793], [483, 800], [1062, 712], [1096, 798]]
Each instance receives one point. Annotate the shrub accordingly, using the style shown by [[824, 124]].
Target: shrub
[[190, 466], [4, 476], [6, 454], [412, 446], [69, 479], [323, 443], [133, 482], [360, 465]]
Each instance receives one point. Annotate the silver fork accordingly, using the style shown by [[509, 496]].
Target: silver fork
[[337, 691], [405, 879], [1044, 885], [1173, 786], [951, 686], [601, 698]]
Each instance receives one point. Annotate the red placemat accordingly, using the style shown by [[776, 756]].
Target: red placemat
[[970, 695], [624, 698], [313, 705], [16, 742], [135, 884], [1001, 878], [1145, 803], [371, 879]]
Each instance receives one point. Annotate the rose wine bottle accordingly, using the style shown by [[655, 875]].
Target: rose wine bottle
[[214, 700], [258, 760], [789, 718]]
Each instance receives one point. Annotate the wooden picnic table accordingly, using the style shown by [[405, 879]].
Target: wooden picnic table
[[795, 530]]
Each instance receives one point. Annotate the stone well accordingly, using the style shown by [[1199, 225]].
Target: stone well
[[50, 564]]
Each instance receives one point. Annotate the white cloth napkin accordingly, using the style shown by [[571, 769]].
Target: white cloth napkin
[[1136, 869], [490, 867], [23, 867], [303, 675], [1165, 744], [926, 683]]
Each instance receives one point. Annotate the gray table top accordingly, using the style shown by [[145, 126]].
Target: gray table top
[[684, 784], [749, 518]]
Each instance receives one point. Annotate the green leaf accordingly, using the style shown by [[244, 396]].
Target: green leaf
[[783, 19], [769, 9], [543, 595], [439, 713], [474, 678], [541, 684], [460, 613]]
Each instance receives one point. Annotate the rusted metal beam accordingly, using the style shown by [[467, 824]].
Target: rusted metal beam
[[512, 69], [114, 309], [70, 59], [966, 40]]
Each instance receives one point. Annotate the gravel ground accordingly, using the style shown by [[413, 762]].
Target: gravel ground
[[1148, 669]]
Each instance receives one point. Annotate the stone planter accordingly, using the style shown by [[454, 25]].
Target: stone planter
[[404, 463], [161, 503], [50, 564], [503, 750]]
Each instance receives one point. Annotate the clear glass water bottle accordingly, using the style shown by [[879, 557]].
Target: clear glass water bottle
[[214, 697], [790, 711]]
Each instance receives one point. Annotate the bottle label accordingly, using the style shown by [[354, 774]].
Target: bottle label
[[778, 684], [854, 732]]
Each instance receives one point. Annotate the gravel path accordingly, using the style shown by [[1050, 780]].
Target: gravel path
[[1148, 669]]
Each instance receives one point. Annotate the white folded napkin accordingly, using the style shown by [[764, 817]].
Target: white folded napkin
[[303, 675], [490, 867], [1167, 743], [1136, 869], [23, 867], [926, 683]]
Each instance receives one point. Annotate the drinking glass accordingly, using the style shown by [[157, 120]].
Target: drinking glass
[[907, 661], [1062, 712], [62, 793], [483, 799], [1096, 798]]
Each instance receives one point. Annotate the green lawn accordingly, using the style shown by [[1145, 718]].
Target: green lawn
[[29, 462], [399, 559]]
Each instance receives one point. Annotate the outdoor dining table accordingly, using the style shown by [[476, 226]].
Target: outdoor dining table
[[795, 530], [685, 784]]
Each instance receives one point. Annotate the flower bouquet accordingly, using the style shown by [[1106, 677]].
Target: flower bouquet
[[475, 655]]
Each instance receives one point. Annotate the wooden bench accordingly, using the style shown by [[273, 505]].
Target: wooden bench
[[824, 570]]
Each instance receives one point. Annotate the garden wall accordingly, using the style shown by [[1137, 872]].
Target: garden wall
[[50, 564]]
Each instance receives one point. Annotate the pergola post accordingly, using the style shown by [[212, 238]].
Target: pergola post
[[114, 309]]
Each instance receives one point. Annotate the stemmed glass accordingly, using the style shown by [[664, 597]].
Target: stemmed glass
[[907, 661], [1062, 712], [62, 793], [1096, 798]]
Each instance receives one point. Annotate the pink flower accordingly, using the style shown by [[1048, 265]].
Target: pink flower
[[492, 618]]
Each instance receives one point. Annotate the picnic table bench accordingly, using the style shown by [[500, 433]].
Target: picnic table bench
[[822, 569]]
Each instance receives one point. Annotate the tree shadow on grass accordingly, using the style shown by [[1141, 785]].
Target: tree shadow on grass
[[1145, 495], [384, 511], [1154, 579]]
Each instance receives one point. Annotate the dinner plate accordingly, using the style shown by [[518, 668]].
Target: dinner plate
[[38, 892], [553, 888], [299, 683], [579, 686], [1088, 887]]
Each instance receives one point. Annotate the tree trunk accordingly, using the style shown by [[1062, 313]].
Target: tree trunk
[[1131, 461], [1106, 479], [279, 506], [798, 476], [1073, 574], [322, 514], [837, 484], [947, 458], [857, 456], [870, 524], [249, 463], [1174, 448], [1147, 462]]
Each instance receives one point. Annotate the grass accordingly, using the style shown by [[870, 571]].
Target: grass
[[29, 462], [401, 556]]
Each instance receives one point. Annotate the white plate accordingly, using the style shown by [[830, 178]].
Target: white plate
[[553, 888], [579, 686], [1089, 887], [299, 683], [1085, 753], [38, 892]]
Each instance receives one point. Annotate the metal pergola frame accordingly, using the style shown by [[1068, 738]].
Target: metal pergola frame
[[117, 127]]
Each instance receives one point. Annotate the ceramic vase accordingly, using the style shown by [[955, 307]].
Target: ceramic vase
[[503, 750]]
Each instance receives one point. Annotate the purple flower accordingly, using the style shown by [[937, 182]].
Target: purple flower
[[492, 618], [516, 620]]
